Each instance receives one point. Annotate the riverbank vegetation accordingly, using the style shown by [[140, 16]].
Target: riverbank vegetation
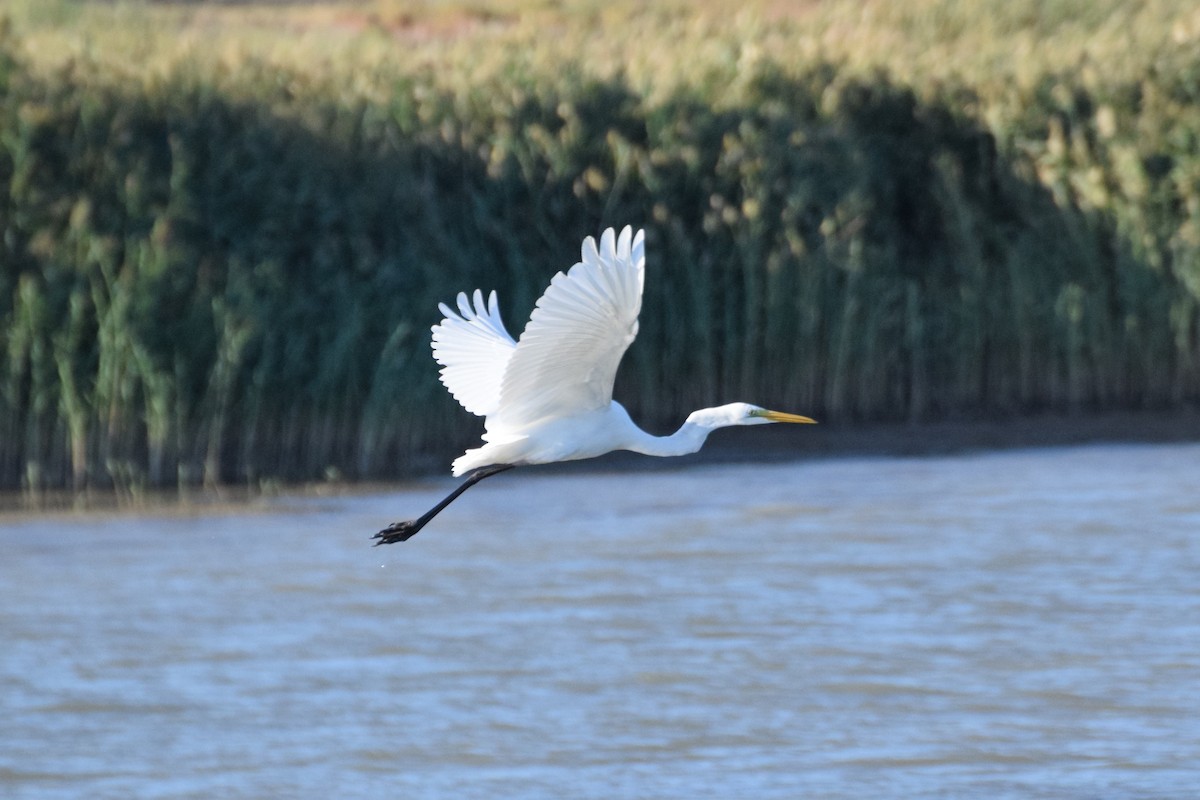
[[226, 229]]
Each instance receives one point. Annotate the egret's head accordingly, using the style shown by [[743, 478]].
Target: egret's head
[[741, 414]]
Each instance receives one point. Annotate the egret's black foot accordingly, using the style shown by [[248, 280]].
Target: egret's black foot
[[397, 532], [403, 531]]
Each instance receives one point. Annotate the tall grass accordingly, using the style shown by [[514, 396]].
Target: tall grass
[[217, 274]]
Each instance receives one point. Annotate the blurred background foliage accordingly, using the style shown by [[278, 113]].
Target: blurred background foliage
[[226, 227]]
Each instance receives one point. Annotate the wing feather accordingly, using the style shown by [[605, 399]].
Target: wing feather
[[567, 358], [474, 349]]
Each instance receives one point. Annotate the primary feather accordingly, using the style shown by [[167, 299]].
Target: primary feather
[[474, 349], [567, 358]]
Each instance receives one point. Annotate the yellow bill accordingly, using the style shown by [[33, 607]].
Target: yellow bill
[[780, 416]]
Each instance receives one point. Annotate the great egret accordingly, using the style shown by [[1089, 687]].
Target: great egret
[[548, 397]]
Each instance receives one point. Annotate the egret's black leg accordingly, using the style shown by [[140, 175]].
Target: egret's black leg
[[403, 531]]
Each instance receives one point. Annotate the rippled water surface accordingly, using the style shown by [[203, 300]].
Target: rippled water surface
[[1018, 624]]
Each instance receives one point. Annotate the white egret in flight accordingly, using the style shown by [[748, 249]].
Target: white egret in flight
[[548, 397]]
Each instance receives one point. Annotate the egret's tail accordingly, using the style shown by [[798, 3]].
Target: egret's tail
[[507, 451], [469, 461]]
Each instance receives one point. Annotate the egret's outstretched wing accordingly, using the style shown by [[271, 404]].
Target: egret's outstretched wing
[[567, 358], [474, 349]]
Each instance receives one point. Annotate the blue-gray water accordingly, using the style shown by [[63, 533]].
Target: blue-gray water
[[1017, 624]]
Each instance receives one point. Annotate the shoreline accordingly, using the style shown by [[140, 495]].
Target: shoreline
[[765, 444], [783, 443]]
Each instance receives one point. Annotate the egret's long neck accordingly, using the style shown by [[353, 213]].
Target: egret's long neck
[[688, 439]]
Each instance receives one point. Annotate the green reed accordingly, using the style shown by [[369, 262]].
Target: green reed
[[210, 275]]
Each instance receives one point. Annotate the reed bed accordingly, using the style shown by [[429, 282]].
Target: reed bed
[[223, 268]]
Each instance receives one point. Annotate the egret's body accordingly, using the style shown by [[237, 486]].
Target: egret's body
[[548, 397], [594, 433]]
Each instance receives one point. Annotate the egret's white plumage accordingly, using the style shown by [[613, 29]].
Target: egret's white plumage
[[548, 397], [474, 349]]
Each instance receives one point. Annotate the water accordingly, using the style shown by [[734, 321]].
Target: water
[[1019, 624]]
